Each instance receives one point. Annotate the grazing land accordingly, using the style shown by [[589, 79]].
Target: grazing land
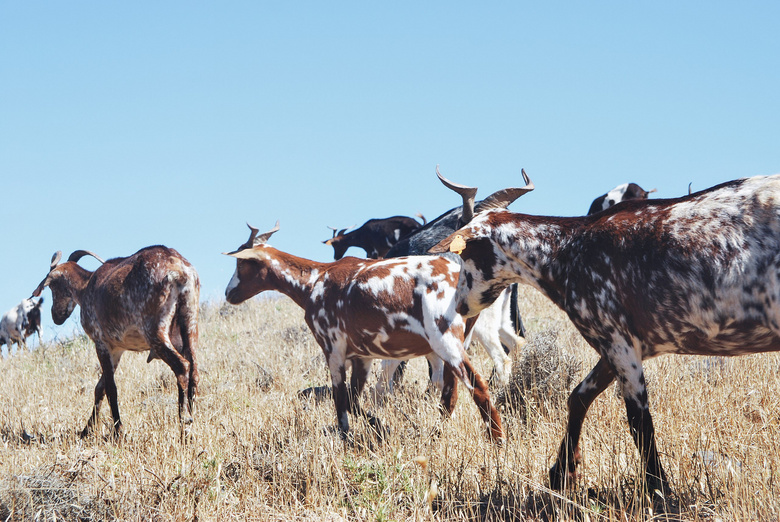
[[261, 451]]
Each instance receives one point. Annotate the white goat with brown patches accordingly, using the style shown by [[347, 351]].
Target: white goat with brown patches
[[499, 328], [698, 274], [360, 310], [145, 302]]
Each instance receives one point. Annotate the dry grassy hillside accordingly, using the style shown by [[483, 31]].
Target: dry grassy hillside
[[259, 452]]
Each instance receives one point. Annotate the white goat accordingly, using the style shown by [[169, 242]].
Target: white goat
[[14, 323]]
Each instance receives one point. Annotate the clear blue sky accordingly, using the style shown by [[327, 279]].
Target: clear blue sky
[[126, 124]]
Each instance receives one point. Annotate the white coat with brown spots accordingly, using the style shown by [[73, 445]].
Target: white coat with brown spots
[[698, 274], [360, 310], [144, 302]]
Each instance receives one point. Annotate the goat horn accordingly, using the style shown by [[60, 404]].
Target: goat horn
[[78, 254], [252, 235], [467, 193], [55, 259], [502, 198], [262, 238]]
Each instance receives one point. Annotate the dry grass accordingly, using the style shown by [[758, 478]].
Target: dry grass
[[259, 452]]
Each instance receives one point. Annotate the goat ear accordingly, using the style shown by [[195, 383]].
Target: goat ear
[[55, 259], [455, 242], [246, 253], [39, 290]]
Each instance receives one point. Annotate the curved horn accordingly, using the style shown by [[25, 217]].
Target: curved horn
[[262, 238], [503, 198], [78, 254], [55, 259], [467, 193]]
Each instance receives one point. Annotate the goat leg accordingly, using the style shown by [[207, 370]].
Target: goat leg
[[341, 400], [481, 396], [449, 390], [360, 369], [100, 391], [641, 424], [181, 369], [565, 468]]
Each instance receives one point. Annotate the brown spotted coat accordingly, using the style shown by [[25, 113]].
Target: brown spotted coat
[[144, 302], [693, 275]]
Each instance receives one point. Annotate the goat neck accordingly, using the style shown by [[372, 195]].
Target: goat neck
[[504, 248], [263, 267]]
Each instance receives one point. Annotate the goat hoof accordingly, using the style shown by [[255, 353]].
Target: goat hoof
[[186, 433], [556, 478], [559, 479]]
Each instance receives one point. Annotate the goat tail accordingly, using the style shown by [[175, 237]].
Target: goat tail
[[514, 311]]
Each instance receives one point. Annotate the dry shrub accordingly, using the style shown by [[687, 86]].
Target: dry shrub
[[542, 375], [50, 494]]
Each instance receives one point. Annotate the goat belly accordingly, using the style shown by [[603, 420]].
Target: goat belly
[[395, 344], [133, 341]]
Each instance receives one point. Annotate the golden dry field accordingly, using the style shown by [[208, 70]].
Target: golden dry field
[[259, 451]]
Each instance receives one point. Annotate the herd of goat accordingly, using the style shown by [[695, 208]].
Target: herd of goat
[[638, 277]]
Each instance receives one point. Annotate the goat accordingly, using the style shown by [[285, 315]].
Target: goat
[[359, 310], [499, 328], [697, 274], [15, 323], [145, 302], [375, 236], [620, 193], [34, 325]]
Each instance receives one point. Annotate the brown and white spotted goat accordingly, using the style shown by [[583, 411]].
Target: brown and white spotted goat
[[148, 301], [360, 310], [698, 274]]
